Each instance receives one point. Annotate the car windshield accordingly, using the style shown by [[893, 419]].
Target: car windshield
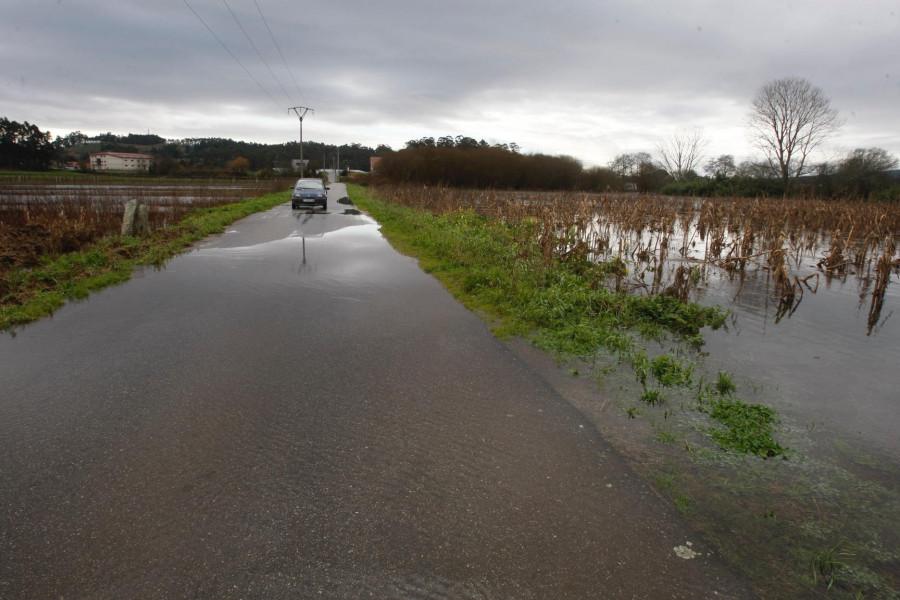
[[309, 185]]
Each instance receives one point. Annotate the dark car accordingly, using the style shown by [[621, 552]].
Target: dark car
[[309, 193]]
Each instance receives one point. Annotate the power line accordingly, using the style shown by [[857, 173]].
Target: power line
[[280, 53], [258, 53], [230, 53]]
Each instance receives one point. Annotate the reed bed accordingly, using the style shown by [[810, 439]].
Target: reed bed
[[672, 245]]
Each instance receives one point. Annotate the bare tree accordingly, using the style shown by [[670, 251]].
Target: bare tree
[[788, 119], [681, 153]]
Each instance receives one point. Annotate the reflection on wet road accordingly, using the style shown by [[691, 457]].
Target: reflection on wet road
[[294, 410]]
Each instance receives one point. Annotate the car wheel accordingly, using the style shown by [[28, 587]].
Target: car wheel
[[293, 206], [324, 206]]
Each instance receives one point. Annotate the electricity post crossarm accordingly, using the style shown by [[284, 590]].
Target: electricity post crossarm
[[301, 112]]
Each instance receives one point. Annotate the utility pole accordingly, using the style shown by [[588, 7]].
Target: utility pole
[[301, 112]]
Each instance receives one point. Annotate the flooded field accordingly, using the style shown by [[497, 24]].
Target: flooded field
[[812, 322], [828, 515], [104, 194], [52, 215], [812, 333]]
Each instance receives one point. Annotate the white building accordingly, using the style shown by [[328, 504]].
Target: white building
[[120, 161]]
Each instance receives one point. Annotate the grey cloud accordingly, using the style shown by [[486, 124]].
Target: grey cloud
[[628, 69]]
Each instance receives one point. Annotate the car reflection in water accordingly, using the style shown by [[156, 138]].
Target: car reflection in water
[[316, 225]]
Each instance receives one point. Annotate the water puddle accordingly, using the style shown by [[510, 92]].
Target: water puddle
[[283, 223]]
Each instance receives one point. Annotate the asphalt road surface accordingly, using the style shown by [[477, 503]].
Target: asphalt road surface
[[294, 410]]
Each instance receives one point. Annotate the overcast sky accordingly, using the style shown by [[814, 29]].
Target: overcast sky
[[590, 79]]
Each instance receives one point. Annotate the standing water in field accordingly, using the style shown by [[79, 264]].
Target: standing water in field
[[812, 328]]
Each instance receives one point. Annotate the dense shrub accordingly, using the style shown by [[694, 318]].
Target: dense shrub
[[736, 186], [479, 167]]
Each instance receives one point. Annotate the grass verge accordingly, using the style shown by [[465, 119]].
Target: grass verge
[[29, 294]]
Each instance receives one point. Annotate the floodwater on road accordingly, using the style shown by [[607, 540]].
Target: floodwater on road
[[295, 410]]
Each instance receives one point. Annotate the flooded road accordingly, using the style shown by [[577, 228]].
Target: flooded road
[[294, 410]]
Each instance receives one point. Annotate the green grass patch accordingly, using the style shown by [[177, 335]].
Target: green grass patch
[[29, 294], [725, 385], [672, 371], [653, 397], [745, 427]]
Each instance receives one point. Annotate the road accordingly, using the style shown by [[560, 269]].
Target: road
[[295, 410]]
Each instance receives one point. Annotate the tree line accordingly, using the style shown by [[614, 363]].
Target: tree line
[[865, 173], [25, 146], [202, 155]]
